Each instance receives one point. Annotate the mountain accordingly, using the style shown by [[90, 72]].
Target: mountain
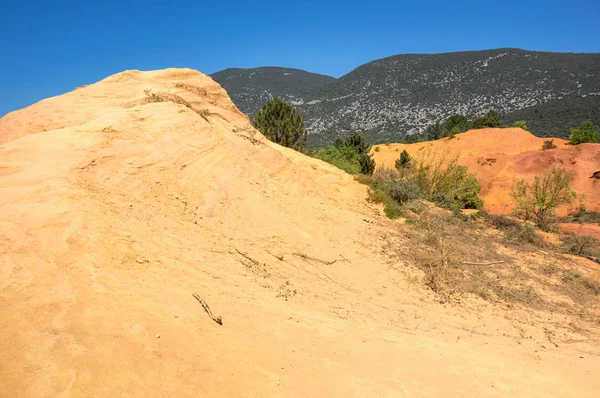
[[393, 97], [555, 117], [251, 88]]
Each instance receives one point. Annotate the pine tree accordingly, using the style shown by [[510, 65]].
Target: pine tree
[[403, 161], [358, 142], [281, 123]]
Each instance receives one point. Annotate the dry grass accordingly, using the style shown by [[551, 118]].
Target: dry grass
[[166, 97], [204, 113], [462, 255], [193, 89]]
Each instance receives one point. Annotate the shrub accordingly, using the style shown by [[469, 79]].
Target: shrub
[[447, 183], [393, 209], [584, 133], [523, 233], [521, 124], [350, 154], [548, 144], [342, 157], [281, 123], [540, 199], [579, 244]]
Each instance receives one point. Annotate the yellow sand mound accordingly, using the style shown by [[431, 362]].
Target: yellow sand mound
[[114, 209], [498, 156]]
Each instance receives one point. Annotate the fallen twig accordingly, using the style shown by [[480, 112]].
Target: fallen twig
[[218, 319], [593, 259], [247, 257], [490, 263], [305, 257]]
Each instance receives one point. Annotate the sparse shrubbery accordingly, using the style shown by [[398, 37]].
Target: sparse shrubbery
[[539, 200], [584, 133], [580, 245], [166, 97], [548, 144], [430, 177], [513, 230]]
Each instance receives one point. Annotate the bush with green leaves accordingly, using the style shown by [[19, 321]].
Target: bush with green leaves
[[446, 182], [521, 124], [350, 154], [584, 133], [539, 200], [281, 123], [343, 157]]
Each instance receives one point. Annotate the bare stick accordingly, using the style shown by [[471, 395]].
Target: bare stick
[[490, 263], [247, 257], [218, 319], [305, 257]]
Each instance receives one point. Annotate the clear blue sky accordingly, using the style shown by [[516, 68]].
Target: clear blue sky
[[51, 47]]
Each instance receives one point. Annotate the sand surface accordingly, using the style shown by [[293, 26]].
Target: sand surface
[[114, 210]]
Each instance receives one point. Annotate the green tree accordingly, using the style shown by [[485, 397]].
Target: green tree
[[491, 119], [435, 132], [358, 142], [540, 199], [521, 124], [403, 161], [367, 164], [457, 123], [584, 133], [281, 123]]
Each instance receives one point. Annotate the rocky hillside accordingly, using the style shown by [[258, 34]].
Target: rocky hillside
[[555, 117], [251, 88], [393, 97]]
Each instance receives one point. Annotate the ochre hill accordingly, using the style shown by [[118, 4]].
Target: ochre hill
[[500, 155], [115, 207]]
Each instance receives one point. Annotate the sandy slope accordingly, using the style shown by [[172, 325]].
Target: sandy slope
[[497, 156], [114, 210]]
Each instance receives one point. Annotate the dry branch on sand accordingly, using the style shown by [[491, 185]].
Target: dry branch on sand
[[217, 319]]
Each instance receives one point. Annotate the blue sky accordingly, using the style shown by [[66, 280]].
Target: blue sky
[[49, 48]]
